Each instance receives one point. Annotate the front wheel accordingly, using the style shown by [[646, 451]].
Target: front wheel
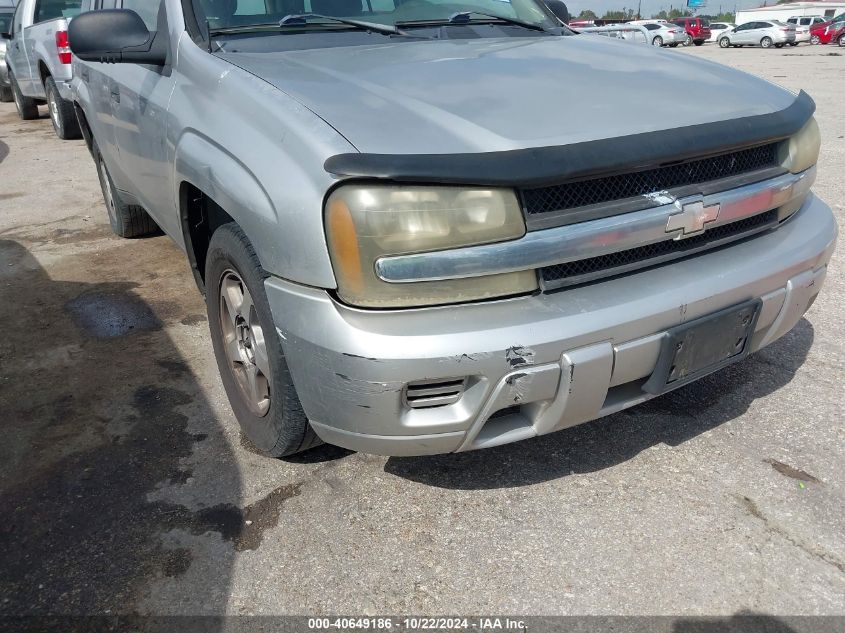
[[657, 41], [724, 43], [698, 42], [766, 42], [249, 354], [62, 113], [842, 40]]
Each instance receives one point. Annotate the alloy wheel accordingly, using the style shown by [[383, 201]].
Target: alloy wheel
[[243, 341]]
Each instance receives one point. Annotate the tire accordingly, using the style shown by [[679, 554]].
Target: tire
[[657, 41], [766, 42], [6, 95], [674, 45], [266, 406], [841, 40], [27, 107], [126, 220], [793, 43], [688, 40], [62, 113], [698, 42], [724, 43], [815, 40], [778, 45]]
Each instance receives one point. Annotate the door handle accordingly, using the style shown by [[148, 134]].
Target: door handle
[[115, 94]]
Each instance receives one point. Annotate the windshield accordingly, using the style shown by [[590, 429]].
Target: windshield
[[235, 13]]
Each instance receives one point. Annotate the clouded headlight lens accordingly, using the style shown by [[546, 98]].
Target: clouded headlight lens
[[366, 222], [801, 151]]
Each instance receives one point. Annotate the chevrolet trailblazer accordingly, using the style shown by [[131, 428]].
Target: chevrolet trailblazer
[[405, 244]]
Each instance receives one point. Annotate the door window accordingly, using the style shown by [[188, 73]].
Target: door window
[[147, 9], [52, 9]]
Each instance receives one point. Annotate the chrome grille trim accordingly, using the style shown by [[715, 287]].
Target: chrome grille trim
[[538, 249]]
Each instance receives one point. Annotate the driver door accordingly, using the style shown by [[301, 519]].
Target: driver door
[[139, 95]]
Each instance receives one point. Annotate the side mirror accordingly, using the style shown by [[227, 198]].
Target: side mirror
[[559, 9], [115, 36]]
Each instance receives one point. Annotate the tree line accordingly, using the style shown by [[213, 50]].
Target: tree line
[[631, 14]]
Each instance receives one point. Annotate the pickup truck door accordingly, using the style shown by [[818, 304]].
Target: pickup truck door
[[16, 49], [139, 97]]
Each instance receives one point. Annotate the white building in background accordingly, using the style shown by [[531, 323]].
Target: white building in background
[[825, 8]]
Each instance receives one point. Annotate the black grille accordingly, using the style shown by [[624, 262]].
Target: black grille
[[584, 270], [585, 192]]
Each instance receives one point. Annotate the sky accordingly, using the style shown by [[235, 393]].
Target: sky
[[650, 7]]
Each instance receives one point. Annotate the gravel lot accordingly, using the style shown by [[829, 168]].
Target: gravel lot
[[125, 486]]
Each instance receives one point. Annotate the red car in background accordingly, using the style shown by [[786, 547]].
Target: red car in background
[[827, 32], [698, 30]]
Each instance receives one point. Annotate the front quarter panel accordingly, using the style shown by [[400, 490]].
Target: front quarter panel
[[259, 154]]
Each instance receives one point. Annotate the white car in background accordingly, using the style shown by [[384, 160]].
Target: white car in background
[[663, 33], [765, 34], [717, 28], [803, 24]]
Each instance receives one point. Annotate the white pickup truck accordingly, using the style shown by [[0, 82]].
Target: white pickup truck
[[38, 58]]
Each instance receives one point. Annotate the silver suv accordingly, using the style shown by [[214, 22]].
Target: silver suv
[[424, 228]]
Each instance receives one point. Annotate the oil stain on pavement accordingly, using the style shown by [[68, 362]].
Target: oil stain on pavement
[[88, 439]]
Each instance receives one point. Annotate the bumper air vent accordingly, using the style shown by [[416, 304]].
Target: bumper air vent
[[428, 394]]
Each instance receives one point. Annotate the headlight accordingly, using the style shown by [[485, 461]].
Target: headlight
[[366, 222], [801, 151]]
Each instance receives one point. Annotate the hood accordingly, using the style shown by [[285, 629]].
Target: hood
[[484, 95]]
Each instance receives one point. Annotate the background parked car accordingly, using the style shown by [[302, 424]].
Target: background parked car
[[697, 30], [828, 32], [7, 10], [803, 24], [717, 28], [39, 59], [663, 33], [765, 34]]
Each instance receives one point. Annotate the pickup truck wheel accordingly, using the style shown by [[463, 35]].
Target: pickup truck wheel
[[6, 94], [27, 108], [126, 220], [62, 113], [249, 353]]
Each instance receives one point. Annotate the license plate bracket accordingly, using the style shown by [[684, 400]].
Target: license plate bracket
[[702, 346]]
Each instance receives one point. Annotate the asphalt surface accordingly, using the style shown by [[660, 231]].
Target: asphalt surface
[[125, 486]]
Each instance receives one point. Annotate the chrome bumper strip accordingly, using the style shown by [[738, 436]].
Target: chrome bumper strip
[[675, 219]]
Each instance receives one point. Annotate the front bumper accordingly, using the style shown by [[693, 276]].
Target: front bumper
[[544, 362]]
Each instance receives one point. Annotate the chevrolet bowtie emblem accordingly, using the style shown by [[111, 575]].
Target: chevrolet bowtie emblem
[[692, 217]]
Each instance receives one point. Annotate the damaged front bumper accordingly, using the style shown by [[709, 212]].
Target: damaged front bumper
[[455, 378]]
